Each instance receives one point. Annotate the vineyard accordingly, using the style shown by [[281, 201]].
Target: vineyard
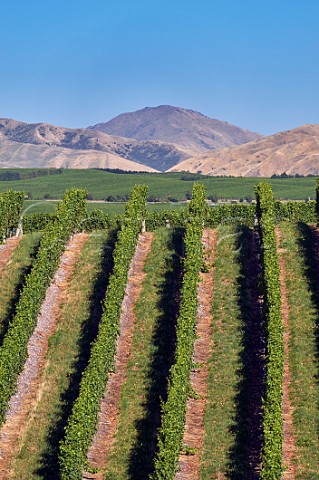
[[159, 345]]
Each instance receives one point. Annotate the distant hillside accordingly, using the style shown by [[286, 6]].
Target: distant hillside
[[42, 145], [179, 126], [294, 152], [156, 155], [27, 155]]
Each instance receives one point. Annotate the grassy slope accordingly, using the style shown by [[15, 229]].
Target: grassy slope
[[148, 366], [100, 184], [303, 351], [12, 277], [225, 363], [67, 356]]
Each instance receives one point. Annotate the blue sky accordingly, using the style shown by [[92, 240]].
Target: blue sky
[[77, 63]]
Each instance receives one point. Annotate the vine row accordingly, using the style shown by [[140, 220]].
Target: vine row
[[82, 423], [174, 410], [221, 214], [11, 204], [13, 352], [272, 467]]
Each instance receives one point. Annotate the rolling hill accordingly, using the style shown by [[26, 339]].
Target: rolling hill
[[294, 152], [35, 144], [27, 155]]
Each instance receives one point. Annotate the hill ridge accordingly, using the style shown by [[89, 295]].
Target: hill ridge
[[294, 151]]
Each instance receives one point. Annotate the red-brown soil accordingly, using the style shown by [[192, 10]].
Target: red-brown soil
[[6, 250], [189, 465], [289, 440], [29, 389], [108, 416]]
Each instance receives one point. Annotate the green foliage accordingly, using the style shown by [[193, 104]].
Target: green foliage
[[272, 420], [232, 214], [13, 352], [95, 220], [295, 211], [37, 222], [108, 215], [187, 450], [223, 214], [170, 435], [98, 220], [25, 173], [11, 204], [83, 419], [172, 218]]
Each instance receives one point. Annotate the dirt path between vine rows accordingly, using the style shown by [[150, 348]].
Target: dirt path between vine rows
[[29, 389], [7, 249], [189, 465], [108, 416], [289, 440]]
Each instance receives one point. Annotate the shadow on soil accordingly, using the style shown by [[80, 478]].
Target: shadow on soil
[[164, 341], [10, 312], [49, 460], [309, 245], [245, 458]]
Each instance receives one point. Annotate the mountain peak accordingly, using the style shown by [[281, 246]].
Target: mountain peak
[[180, 126]]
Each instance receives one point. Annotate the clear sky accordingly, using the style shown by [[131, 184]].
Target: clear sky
[[74, 63]]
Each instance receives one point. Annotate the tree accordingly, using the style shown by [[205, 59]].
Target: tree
[[110, 198], [213, 198]]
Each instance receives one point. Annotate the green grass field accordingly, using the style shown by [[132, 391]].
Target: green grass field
[[44, 206], [100, 184]]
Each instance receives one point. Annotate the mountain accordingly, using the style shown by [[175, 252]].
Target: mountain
[[294, 152], [187, 128], [165, 136], [42, 145], [81, 146]]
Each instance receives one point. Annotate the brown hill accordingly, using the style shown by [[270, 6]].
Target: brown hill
[[294, 152], [154, 154], [27, 155], [179, 126]]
